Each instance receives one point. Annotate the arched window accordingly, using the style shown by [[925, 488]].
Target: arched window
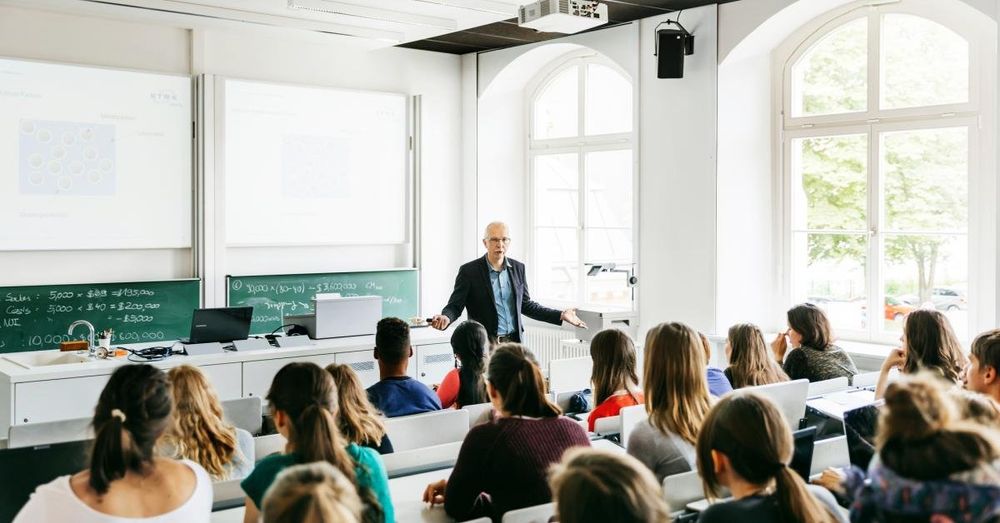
[[881, 126], [582, 182]]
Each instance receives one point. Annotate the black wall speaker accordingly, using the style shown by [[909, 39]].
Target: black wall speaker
[[672, 46]]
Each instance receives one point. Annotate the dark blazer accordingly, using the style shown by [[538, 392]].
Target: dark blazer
[[474, 293]]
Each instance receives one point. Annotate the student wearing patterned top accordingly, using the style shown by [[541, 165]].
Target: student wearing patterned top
[[813, 355], [616, 385], [503, 465]]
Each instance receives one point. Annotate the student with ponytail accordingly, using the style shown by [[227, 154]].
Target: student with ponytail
[[303, 400], [503, 464], [125, 480], [745, 445], [466, 384]]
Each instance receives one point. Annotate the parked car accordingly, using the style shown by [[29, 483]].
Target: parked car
[[948, 299], [896, 309]]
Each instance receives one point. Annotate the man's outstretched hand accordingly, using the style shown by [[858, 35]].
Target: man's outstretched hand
[[440, 322], [569, 316]]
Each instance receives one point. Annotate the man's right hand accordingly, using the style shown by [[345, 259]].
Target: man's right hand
[[440, 322]]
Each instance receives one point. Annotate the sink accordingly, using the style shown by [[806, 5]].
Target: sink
[[43, 359]]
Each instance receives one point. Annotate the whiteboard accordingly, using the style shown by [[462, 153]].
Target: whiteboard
[[314, 166], [93, 158]]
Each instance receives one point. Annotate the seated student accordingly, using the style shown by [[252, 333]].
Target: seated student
[[718, 382], [198, 432], [746, 446], [750, 363], [616, 385], [813, 355], [599, 485], [984, 365], [677, 400], [928, 343], [126, 481], [930, 465], [312, 493], [398, 394], [358, 420], [466, 384], [303, 402], [503, 465]]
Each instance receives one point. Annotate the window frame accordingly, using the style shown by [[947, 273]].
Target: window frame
[[977, 114], [580, 144]]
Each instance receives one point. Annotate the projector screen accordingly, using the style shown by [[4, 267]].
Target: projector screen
[[314, 166], [93, 158]]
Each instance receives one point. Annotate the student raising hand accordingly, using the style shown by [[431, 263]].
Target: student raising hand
[[434, 493]]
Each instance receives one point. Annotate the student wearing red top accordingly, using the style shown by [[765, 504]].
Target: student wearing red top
[[466, 385], [616, 385]]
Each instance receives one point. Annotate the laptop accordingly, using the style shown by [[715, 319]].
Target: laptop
[[224, 324], [860, 425], [802, 457], [27, 468]]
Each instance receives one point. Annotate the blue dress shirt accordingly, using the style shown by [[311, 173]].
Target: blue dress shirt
[[503, 298]]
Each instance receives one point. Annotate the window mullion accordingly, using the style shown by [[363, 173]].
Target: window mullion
[[876, 237], [874, 64]]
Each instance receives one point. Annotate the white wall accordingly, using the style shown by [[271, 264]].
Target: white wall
[[265, 54], [676, 160]]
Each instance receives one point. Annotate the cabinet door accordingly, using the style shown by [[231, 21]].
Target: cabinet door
[[53, 400], [226, 378], [257, 375], [433, 362]]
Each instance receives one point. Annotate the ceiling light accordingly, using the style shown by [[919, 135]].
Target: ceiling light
[[372, 13], [483, 6]]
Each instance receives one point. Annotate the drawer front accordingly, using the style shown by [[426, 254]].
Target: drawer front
[[226, 378], [434, 362], [70, 398], [257, 375]]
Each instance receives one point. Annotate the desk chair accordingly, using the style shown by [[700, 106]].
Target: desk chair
[[244, 413], [417, 461], [49, 432], [227, 494], [608, 426], [479, 413], [819, 388], [631, 417], [681, 489], [427, 429], [264, 446], [865, 380], [536, 514], [570, 375]]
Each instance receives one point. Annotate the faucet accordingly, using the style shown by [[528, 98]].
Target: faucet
[[90, 334]]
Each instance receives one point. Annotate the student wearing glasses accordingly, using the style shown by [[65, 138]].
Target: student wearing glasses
[[494, 291]]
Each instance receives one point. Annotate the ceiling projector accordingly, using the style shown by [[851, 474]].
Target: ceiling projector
[[562, 16]]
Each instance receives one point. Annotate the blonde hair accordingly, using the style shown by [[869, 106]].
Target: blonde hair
[[197, 430], [357, 419], [750, 361], [312, 493], [599, 485], [751, 432], [675, 386]]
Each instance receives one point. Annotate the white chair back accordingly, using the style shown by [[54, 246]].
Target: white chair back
[[630, 417], [227, 494], [244, 413], [608, 426], [536, 514], [865, 379], [819, 388], [427, 429], [479, 413], [417, 461], [832, 452], [49, 432], [264, 446], [681, 489], [570, 375], [789, 396]]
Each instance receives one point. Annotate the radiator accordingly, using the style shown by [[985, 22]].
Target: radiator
[[552, 344]]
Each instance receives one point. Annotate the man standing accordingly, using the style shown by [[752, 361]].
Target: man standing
[[494, 291]]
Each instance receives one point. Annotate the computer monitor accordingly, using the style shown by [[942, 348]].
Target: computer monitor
[[802, 457], [28, 467], [860, 425], [223, 324]]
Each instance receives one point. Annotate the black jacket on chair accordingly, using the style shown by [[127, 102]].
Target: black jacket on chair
[[474, 292]]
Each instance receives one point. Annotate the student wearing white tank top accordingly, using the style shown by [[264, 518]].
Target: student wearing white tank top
[[125, 482]]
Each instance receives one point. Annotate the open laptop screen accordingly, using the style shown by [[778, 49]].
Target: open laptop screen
[[803, 456], [860, 425], [222, 324], [26, 468]]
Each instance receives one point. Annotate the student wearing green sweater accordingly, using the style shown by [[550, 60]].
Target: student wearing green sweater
[[303, 399]]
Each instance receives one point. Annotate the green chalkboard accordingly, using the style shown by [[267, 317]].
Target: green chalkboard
[[275, 296], [36, 317]]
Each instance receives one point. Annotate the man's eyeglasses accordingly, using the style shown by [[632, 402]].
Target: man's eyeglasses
[[498, 241]]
